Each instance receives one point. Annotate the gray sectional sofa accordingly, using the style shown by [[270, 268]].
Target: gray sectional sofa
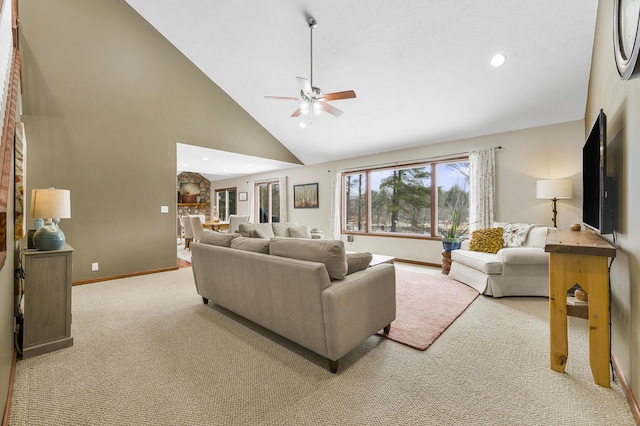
[[309, 291]]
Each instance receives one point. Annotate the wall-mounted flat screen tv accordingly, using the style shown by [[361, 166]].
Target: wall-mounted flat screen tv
[[597, 187]]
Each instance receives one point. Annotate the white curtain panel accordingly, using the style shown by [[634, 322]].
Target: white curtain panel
[[335, 206], [251, 201], [482, 167], [283, 185]]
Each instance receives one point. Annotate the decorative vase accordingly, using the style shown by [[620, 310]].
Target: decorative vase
[[450, 244], [581, 295]]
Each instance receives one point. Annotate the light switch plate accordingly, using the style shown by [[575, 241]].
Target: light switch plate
[[164, 209]]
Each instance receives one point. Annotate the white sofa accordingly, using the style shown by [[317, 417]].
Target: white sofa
[[513, 271]]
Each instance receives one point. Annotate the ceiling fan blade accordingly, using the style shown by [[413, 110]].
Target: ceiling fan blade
[[336, 96], [305, 86], [297, 113], [284, 98], [331, 109]]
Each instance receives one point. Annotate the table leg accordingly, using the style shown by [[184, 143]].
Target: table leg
[[558, 286], [591, 272], [597, 286]]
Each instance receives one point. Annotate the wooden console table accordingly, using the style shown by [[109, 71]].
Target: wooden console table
[[580, 258]]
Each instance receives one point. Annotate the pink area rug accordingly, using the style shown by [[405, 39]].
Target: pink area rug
[[425, 306]]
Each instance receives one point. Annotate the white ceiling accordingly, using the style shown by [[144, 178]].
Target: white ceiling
[[420, 68], [215, 165]]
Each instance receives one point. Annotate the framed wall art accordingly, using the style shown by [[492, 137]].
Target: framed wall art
[[305, 196]]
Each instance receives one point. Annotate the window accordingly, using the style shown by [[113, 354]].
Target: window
[[406, 200], [267, 202], [226, 202]]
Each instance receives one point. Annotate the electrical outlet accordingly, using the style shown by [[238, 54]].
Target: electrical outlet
[[349, 238], [94, 266]]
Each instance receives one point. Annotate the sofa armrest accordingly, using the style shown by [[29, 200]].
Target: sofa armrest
[[357, 307], [523, 256]]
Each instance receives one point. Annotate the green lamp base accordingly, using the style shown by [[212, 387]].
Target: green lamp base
[[48, 237]]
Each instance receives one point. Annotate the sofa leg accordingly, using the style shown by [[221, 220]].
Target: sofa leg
[[205, 300], [333, 366], [387, 329]]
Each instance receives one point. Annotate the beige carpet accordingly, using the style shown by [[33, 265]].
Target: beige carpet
[[147, 351]]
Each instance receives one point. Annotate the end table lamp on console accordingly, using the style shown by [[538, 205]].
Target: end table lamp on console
[[50, 204], [554, 190]]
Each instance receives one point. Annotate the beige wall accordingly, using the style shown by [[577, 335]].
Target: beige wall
[[526, 156], [621, 102], [106, 98]]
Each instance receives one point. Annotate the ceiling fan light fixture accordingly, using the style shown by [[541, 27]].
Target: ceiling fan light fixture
[[498, 59], [310, 94]]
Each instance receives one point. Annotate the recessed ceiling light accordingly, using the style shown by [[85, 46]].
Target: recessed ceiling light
[[205, 158], [303, 124], [498, 60], [185, 165]]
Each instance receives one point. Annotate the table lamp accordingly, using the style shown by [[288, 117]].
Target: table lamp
[[50, 204], [554, 190]]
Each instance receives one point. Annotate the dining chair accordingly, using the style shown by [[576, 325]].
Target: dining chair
[[188, 230], [196, 226], [235, 221]]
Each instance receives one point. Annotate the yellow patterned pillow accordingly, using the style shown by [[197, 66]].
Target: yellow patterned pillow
[[488, 240]]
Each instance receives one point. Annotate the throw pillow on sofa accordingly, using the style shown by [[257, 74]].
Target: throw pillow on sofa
[[488, 240], [515, 234], [256, 233], [257, 245], [358, 262], [281, 229], [300, 232], [329, 252], [245, 229], [217, 239]]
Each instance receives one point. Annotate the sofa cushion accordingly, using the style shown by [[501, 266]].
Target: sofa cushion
[[515, 234], [281, 229], [358, 262], [257, 245], [329, 252], [537, 236], [246, 228], [488, 240], [258, 234], [480, 261], [300, 232], [217, 239]]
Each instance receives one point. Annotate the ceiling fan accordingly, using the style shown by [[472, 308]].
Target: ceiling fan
[[314, 101]]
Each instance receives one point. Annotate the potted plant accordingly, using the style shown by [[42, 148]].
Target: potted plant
[[451, 235]]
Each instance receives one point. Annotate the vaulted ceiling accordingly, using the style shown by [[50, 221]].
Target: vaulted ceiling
[[421, 69]]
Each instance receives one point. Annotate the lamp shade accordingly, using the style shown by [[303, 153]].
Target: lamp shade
[[51, 203], [554, 188]]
